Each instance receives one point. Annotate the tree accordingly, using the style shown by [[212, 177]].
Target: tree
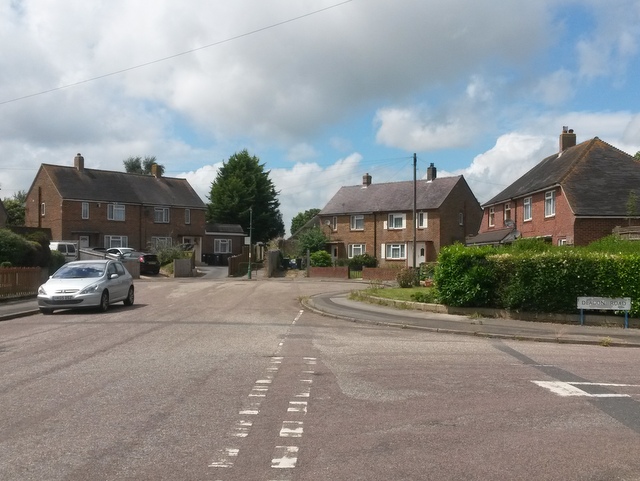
[[242, 193], [632, 205], [637, 156], [138, 165], [302, 218], [15, 208], [312, 240]]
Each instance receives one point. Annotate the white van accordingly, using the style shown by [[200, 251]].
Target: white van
[[68, 249]]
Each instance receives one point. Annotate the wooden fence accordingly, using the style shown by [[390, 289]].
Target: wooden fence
[[20, 281]]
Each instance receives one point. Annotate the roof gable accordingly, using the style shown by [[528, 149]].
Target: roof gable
[[108, 186], [390, 196], [595, 176]]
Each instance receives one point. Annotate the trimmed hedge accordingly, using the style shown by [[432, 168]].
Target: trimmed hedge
[[535, 280]]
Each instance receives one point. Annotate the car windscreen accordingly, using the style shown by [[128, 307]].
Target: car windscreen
[[76, 271]]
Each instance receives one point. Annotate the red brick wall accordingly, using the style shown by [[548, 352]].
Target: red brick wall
[[332, 272], [380, 273]]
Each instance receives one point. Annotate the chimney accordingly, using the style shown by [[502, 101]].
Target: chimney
[[431, 172], [155, 171], [366, 180], [567, 139], [78, 162]]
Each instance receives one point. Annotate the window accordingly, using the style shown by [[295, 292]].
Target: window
[[550, 203], [507, 211], [222, 246], [562, 242], [492, 216], [422, 220], [527, 208], [356, 250], [334, 223], [116, 241], [357, 222], [161, 215], [460, 218], [160, 242], [115, 212], [42, 209], [396, 221], [187, 216], [395, 251], [85, 210]]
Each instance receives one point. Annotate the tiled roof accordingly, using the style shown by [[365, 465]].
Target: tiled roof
[[595, 177], [390, 196], [108, 186], [211, 228]]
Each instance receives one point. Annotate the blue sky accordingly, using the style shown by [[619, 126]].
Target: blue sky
[[321, 91]]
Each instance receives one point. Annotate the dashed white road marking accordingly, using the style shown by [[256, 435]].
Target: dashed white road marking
[[566, 389], [297, 407], [225, 458], [285, 457], [291, 429]]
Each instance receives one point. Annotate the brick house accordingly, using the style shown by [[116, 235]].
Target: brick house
[[377, 219], [222, 241], [99, 208], [573, 197]]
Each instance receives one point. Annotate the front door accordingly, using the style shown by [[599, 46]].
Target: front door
[[421, 254]]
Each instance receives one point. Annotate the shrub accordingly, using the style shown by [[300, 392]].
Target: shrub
[[362, 260], [167, 254], [320, 259], [426, 296], [16, 249], [407, 277]]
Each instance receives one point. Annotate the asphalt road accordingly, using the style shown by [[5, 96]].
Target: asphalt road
[[207, 379]]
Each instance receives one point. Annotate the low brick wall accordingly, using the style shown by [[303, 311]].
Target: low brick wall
[[332, 272], [380, 273]]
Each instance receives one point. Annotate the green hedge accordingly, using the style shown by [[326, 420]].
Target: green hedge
[[535, 280]]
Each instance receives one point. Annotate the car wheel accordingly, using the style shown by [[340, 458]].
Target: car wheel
[[46, 311], [130, 297], [104, 301]]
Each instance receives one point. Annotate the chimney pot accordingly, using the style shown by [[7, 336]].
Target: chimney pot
[[567, 139]]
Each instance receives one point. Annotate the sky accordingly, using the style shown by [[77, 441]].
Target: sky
[[321, 91]]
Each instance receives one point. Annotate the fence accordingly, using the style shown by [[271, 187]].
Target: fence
[[20, 281]]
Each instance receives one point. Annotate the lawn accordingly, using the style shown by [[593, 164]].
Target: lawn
[[395, 293]]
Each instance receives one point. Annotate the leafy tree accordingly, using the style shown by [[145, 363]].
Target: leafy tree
[[242, 193], [15, 208], [320, 259], [632, 204], [138, 165], [302, 218], [637, 156], [312, 240]]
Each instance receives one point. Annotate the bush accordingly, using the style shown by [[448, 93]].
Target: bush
[[167, 254], [426, 296], [407, 277], [362, 260], [16, 249], [320, 259]]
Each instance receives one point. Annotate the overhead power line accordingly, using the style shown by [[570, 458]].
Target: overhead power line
[[170, 57]]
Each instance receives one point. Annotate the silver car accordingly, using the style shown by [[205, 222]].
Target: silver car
[[83, 284]]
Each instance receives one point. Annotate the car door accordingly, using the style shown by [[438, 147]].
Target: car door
[[118, 286]]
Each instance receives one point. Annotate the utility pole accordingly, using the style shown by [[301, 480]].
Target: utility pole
[[415, 200], [250, 241]]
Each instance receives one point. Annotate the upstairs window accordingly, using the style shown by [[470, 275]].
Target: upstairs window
[[550, 203], [507, 212], [422, 220], [115, 212], [357, 222], [492, 216], [187, 216], [460, 218], [161, 215], [43, 209], [527, 209], [396, 221], [334, 223], [85, 210]]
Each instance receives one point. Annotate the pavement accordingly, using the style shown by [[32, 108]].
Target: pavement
[[339, 306]]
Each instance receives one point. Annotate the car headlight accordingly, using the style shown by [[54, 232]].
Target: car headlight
[[41, 291], [90, 289]]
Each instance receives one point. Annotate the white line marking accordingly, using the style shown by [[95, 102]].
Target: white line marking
[[297, 407], [566, 389], [291, 429], [251, 412], [285, 457], [263, 381], [224, 460], [297, 318]]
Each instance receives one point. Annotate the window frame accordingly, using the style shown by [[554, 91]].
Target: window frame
[[353, 224], [43, 209], [161, 215], [113, 213], [423, 220], [351, 248], [334, 223], [507, 211], [549, 203], [527, 209], [120, 240], [401, 248], [187, 216], [160, 241], [85, 210], [392, 219], [460, 218], [491, 216], [218, 243]]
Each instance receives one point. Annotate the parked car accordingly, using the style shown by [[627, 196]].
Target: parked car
[[119, 251], [149, 263], [68, 249], [86, 284]]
